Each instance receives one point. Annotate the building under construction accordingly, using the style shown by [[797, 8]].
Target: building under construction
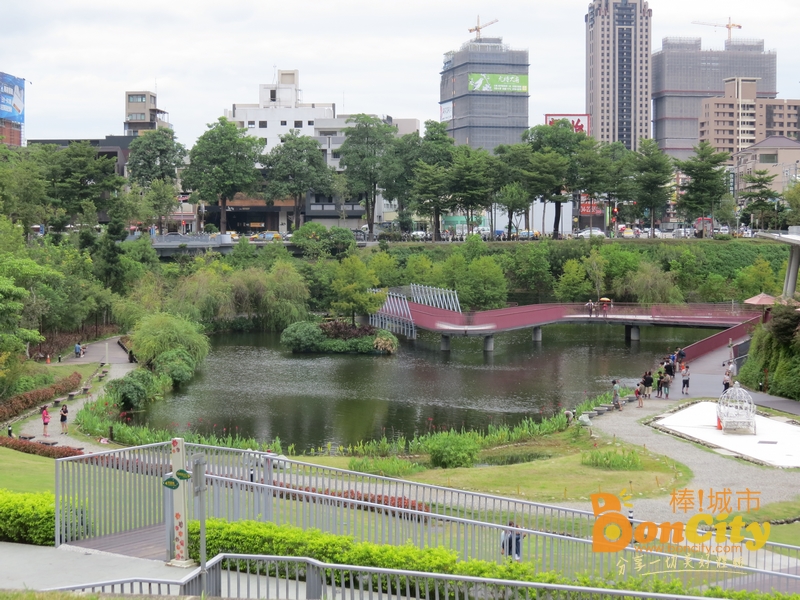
[[484, 93], [684, 74]]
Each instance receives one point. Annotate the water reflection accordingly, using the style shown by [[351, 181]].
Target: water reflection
[[252, 386]]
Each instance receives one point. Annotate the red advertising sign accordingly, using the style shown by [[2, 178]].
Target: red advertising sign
[[590, 207], [580, 123]]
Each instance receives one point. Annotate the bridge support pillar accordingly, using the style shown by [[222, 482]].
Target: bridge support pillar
[[790, 283], [488, 343], [537, 334], [632, 333], [445, 345]]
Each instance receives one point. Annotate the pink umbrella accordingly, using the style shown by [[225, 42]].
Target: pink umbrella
[[761, 300]]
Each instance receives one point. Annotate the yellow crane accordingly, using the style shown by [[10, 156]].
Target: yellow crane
[[730, 26], [477, 29]]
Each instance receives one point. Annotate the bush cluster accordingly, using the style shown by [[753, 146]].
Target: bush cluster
[[20, 403], [386, 467], [27, 518], [342, 330], [450, 450], [26, 383], [306, 336], [39, 449], [137, 388]]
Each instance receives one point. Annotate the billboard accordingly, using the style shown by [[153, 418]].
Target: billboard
[[490, 82], [446, 112], [581, 123], [12, 98]]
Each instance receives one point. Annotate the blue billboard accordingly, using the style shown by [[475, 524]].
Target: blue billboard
[[12, 98]]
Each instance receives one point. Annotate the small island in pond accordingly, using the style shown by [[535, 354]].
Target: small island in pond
[[338, 337]]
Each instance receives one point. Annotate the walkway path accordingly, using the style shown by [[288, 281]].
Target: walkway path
[[117, 366], [711, 470]]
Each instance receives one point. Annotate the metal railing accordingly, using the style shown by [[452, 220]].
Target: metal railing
[[110, 492], [249, 576], [263, 467]]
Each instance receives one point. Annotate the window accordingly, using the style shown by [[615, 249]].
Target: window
[[262, 124], [136, 117], [251, 124], [136, 98], [153, 100], [273, 95], [298, 124], [336, 154], [327, 133], [283, 123], [311, 123], [768, 158]]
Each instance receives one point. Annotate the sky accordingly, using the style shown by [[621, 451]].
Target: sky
[[78, 57]]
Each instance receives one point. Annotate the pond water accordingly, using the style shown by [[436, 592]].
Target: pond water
[[251, 385]]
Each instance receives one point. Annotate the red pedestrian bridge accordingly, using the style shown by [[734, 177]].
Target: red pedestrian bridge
[[438, 310]]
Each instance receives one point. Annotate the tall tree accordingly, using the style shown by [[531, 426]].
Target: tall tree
[[351, 287], [546, 180], [514, 199], [515, 166], [222, 164], [470, 181], [431, 192], [155, 155], [652, 175], [707, 181], [562, 139], [365, 154], [161, 200], [758, 193], [294, 168]]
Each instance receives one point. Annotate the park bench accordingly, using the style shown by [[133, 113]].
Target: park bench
[[27, 438], [72, 395], [736, 410], [57, 401], [86, 389], [48, 442]]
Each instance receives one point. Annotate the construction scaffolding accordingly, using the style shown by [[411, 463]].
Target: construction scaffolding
[[684, 74]]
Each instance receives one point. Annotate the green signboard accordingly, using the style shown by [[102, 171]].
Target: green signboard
[[183, 475], [171, 483], [492, 82]]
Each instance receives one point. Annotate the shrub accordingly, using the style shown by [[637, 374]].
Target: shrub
[[612, 460], [22, 402], [390, 236], [26, 383], [303, 337], [449, 450], [342, 330], [39, 449], [137, 388], [27, 518]]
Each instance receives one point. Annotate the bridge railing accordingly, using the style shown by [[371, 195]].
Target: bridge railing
[[721, 339], [723, 312]]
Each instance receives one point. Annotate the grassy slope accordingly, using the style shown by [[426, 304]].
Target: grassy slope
[[20, 472]]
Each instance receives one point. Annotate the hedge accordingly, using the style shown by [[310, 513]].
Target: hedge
[[22, 402], [39, 449], [28, 518], [251, 537]]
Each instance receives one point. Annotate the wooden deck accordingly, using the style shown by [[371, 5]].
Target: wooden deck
[[149, 542]]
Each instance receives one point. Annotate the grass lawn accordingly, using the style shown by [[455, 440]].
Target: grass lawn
[[558, 475], [20, 472]]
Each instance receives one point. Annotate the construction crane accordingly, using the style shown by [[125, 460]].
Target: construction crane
[[730, 26], [478, 27]]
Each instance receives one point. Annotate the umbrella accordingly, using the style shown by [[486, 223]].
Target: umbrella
[[604, 299], [761, 300]]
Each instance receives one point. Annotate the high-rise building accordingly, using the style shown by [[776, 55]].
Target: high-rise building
[[142, 113], [739, 119], [684, 74], [484, 93], [12, 110], [618, 70]]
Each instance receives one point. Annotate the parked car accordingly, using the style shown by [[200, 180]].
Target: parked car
[[418, 235], [591, 232], [266, 236], [529, 234], [725, 230], [683, 232], [657, 232], [628, 233]]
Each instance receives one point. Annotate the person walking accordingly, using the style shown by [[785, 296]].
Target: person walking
[[511, 542], [726, 381], [64, 412], [660, 383], [590, 307], [685, 376], [77, 349], [45, 421]]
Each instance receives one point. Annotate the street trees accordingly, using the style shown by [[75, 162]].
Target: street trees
[[564, 141], [514, 199], [364, 154], [223, 163], [758, 194], [294, 168], [652, 175], [707, 181], [155, 155], [470, 181], [546, 180]]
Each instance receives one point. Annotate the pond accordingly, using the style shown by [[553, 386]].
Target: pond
[[252, 386]]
